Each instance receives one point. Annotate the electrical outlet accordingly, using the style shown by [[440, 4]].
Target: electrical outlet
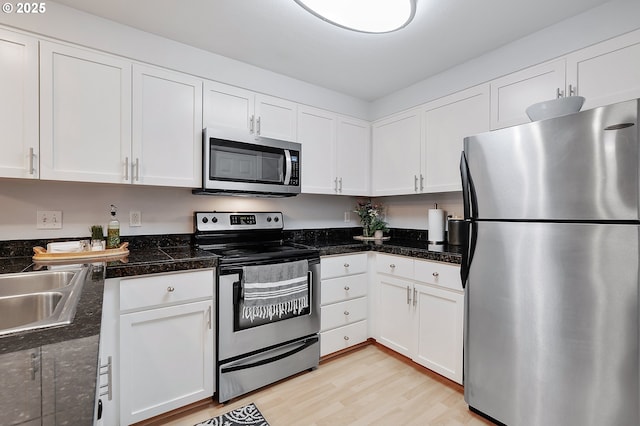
[[135, 218], [49, 219], [347, 217]]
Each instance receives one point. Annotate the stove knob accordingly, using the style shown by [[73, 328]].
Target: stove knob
[[276, 219], [268, 218], [205, 220], [214, 219]]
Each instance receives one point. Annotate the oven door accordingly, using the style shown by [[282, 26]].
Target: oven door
[[237, 163], [239, 336]]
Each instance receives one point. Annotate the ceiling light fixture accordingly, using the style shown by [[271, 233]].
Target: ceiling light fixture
[[367, 16]]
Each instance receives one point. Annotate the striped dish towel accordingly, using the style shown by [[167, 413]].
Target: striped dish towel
[[275, 290]]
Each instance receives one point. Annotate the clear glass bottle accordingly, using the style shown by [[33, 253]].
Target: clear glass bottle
[[113, 230]]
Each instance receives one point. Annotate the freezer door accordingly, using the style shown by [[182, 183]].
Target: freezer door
[[551, 325], [578, 167]]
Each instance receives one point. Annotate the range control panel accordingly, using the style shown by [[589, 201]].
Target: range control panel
[[225, 221]]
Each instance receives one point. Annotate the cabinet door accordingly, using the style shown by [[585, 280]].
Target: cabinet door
[[353, 141], [18, 105], [396, 154], [167, 128], [20, 399], [317, 134], [228, 107], [109, 372], [607, 72], [440, 319], [85, 115], [395, 314], [166, 359], [275, 118], [447, 122], [512, 94]]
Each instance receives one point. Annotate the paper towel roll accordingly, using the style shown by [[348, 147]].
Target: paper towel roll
[[436, 225]]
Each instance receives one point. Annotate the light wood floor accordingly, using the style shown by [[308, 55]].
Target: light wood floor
[[369, 386]]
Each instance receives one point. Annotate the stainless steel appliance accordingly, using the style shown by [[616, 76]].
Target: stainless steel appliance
[[261, 339], [235, 163], [551, 270]]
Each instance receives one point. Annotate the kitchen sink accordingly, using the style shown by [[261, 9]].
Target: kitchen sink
[[35, 300]]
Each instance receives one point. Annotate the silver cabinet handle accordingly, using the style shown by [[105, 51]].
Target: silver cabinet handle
[[346, 337], [107, 369], [346, 265], [421, 182], [335, 185], [209, 317], [346, 312], [346, 287], [251, 121], [126, 168], [170, 289], [415, 183], [408, 295], [340, 182], [572, 90], [559, 93], [392, 266], [435, 274], [415, 297], [32, 169], [137, 169], [258, 126]]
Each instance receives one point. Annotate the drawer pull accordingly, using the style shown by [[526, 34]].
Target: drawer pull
[[346, 312], [346, 265], [435, 274], [346, 337], [170, 289], [392, 266], [346, 288]]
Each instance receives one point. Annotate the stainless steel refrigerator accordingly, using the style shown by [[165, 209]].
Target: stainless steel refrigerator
[[550, 269]]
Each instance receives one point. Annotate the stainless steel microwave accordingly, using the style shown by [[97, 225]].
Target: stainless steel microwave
[[236, 163]]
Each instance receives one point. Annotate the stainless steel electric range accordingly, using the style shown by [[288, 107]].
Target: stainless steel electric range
[[268, 300]]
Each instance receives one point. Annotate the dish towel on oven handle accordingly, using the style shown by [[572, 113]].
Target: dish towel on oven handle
[[275, 290]]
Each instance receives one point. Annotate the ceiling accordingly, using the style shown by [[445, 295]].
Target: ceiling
[[280, 36]]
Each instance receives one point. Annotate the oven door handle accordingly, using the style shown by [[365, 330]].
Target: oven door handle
[[305, 345], [310, 286]]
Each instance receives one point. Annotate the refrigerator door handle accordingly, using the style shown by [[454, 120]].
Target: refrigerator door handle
[[468, 191], [469, 232], [469, 237]]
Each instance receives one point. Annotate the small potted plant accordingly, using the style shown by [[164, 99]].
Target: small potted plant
[[371, 218], [97, 238]]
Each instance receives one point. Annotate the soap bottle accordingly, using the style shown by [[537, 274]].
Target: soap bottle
[[113, 230]]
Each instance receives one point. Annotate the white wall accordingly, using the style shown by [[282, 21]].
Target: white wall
[[410, 211], [164, 210], [596, 25]]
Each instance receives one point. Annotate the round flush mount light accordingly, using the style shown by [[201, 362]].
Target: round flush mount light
[[367, 16]]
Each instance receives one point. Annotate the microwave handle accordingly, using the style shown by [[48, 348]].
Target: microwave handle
[[288, 166]]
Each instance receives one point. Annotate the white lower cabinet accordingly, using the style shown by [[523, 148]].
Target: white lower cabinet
[[158, 334], [421, 312], [343, 302]]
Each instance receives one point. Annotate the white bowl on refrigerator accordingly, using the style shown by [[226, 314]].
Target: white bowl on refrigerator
[[555, 108]]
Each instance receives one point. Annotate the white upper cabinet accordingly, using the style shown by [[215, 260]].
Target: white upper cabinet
[[335, 152], [396, 154], [606, 73], [18, 105], [446, 123], [167, 128], [353, 156], [85, 115], [317, 134], [260, 115], [512, 94]]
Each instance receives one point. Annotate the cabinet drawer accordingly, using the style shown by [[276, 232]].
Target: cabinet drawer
[[343, 313], [153, 290], [343, 337], [440, 274], [394, 265], [337, 266], [343, 288]]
